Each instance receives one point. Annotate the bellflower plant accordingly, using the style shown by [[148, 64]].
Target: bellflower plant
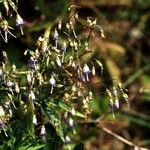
[[42, 103]]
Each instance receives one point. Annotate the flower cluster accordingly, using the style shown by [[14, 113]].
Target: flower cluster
[[5, 28], [52, 90]]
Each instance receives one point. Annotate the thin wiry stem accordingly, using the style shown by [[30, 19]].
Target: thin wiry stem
[[108, 131], [120, 138], [11, 34], [21, 30]]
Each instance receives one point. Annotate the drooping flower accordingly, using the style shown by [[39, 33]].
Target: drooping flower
[[116, 103], [34, 120], [52, 82], [58, 61], [93, 70], [9, 83], [1, 73], [67, 139], [86, 71], [20, 23], [63, 50], [5, 27], [32, 63], [71, 122], [116, 100], [43, 130], [17, 90], [60, 24], [55, 35]]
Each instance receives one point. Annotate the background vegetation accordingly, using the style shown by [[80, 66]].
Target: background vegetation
[[124, 53]]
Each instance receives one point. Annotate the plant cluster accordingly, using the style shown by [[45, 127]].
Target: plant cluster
[[42, 103]]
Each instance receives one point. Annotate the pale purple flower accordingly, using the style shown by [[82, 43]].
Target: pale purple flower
[[9, 83], [32, 63], [43, 130], [86, 71], [64, 47], [19, 22], [55, 35], [52, 82]]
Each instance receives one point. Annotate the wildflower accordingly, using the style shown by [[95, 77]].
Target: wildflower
[[34, 120], [55, 37], [73, 111], [116, 103], [73, 65], [71, 122], [43, 130], [5, 27], [86, 71], [67, 139], [2, 127], [90, 95], [52, 82], [60, 24], [32, 63], [13, 68], [93, 70], [9, 83], [2, 113], [29, 78], [17, 90], [1, 73], [19, 22], [82, 77], [1, 123], [63, 49], [41, 44], [32, 96], [115, 92], [58, 61]]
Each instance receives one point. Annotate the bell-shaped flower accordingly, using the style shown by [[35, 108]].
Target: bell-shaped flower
[[19, 22], [52, 82], [86, 71]]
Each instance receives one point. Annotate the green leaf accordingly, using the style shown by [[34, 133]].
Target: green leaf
[[69, 108], [66, 107], [54, 119], [39, 146]]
